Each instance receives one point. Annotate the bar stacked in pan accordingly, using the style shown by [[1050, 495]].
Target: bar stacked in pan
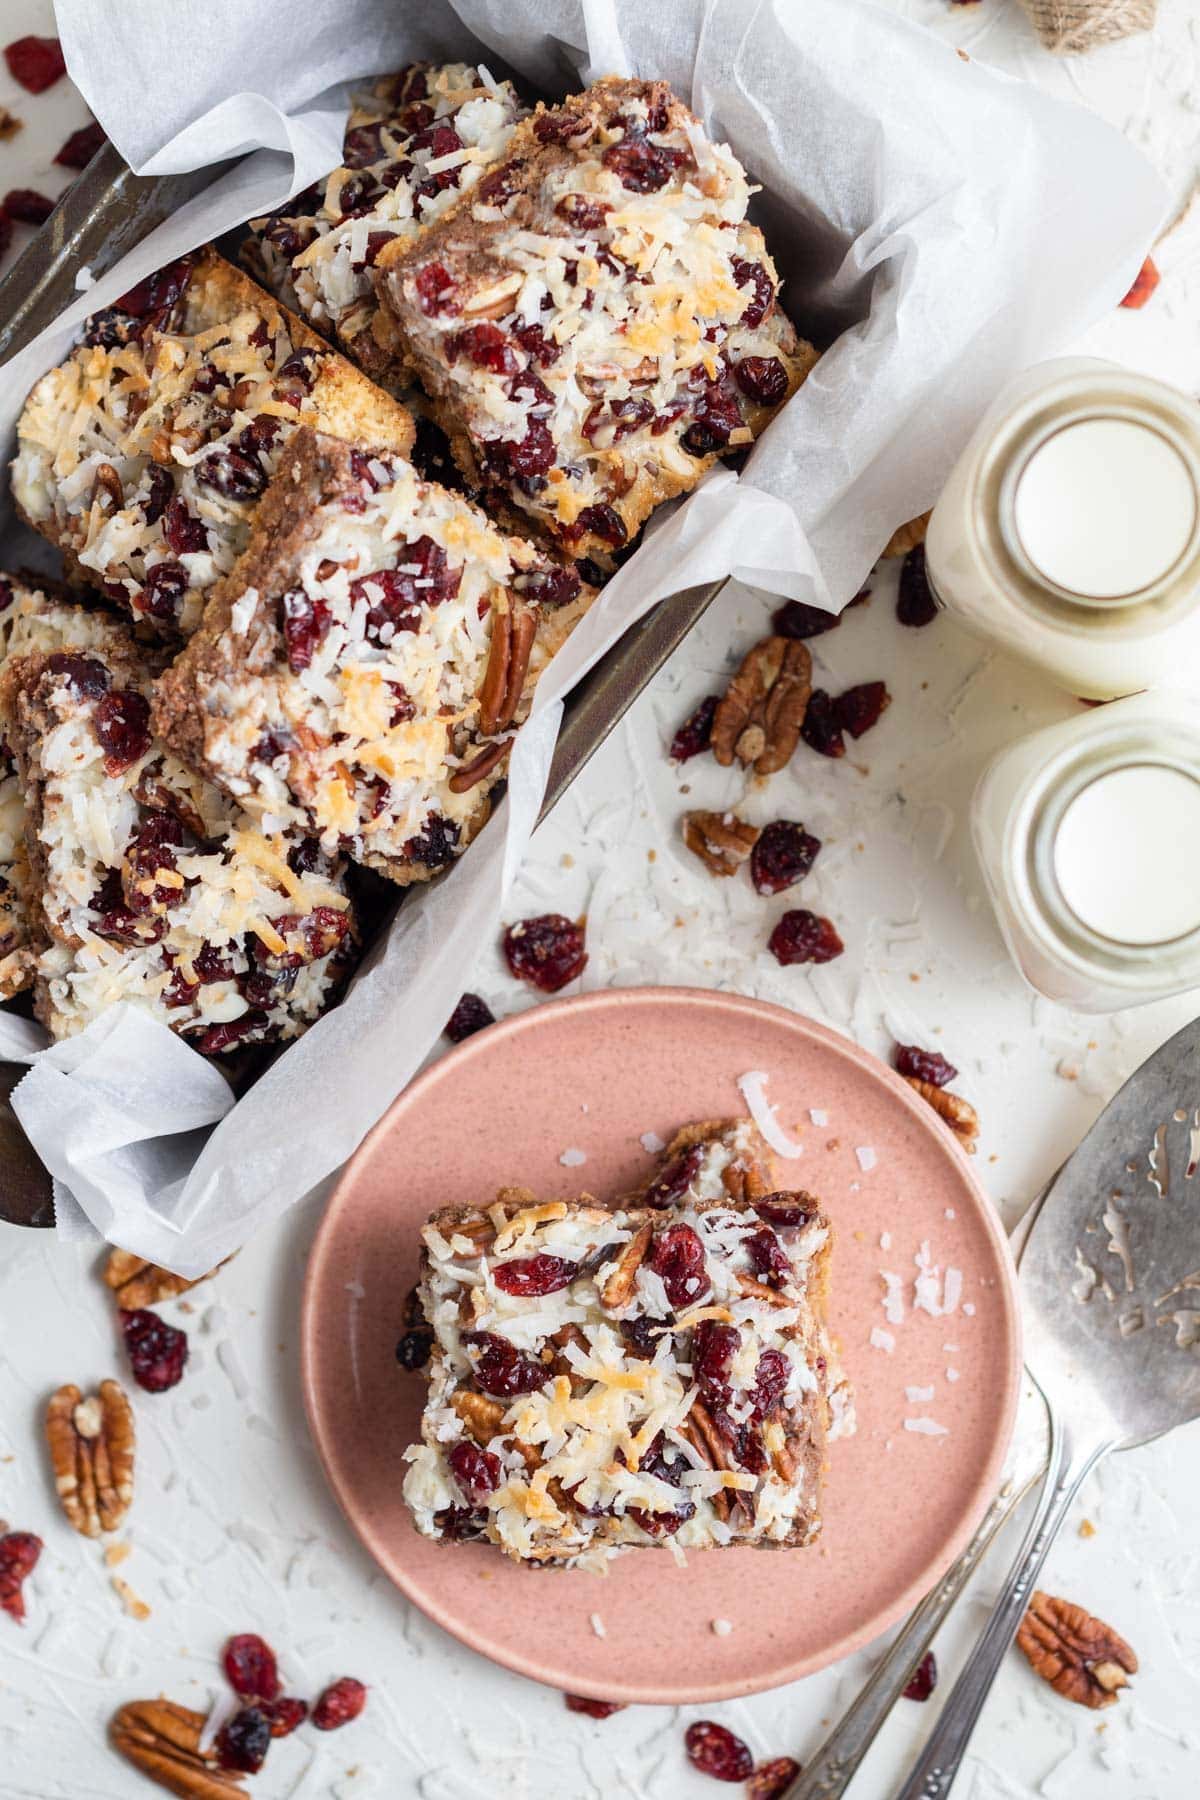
[[608, 1378], [322, 652]]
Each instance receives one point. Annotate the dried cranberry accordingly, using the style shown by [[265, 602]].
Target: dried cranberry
[[755, 277], [414, 1349], [762, 379], [436, 845], [409, 84], [582, 213], [436, 289], [595, 1709], [603, 522], [771, 1780], [320, 932], [923, 1065], [768, 1258], [500, 185], [6, 594], [671, 1183], [158, 292], [915, 604], [924, 1678], [528, 457], [27, 206], [86, 677], [861, 707], [164, 587], [476, 1471], [19, 1552], [535, 1275], [717, 417], [122, 722], [677, 1257], [695, 734], [36, 63], [157, 1351], [715, 1751], [547, 951], [242, 1744], [183, 531], [770, 1380], [81, 146], [363, 146], [470, 1015], [802, 937], [1144, 284], [785, 1209], [290, 236], [300, 371], [620, 418], [541, 349], [219, 1038], [821, 730], [360, 194], [553, 127], [666, 1463], [713, 1348], [550, 586], [119, 922], [641, 166], [306, 623], [211, 966], [783, 855], [232, 473], [284, 1715], [641, 1334], [250, 1667], [487, 347], [501, 1369], [460, 1523], [156, 501], [796, 619], [340, 1703], [402, 706]]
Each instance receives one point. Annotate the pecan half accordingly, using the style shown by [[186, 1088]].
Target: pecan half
[[758, 1290], [759, 718], [106, 485], [952, 1109], [722, 841], [513, 633], [484, 1419], [162, 1740], [92, 1445], [1082, 1658], [137, 1283], [475, 771], [701, 1432], [619, 1286], [907, 537]]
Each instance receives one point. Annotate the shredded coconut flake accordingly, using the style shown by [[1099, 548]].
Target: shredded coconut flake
[[951, 1374], [721, 1627], [916, 1396], [866, 1157], [885, 1240], [882, 1340], [926, 1427], [599, 1628], [753, 1086], [893, 1297], [572, 1159], [969, 1308], [651, 1143], [818, 1115]]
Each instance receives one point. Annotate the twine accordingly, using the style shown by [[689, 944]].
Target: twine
[[1069, 27]]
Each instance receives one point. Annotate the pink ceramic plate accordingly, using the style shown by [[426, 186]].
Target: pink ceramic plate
[[593, 1074]]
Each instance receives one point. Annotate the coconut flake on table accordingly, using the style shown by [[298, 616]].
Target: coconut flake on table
[[885, 1240], [753, 1086], [818, 1115], [651, 1143], [926, 1427], [720, 1627], [916, 1396], [881, 1339], [573, 1159], [893, 1297], [599, 1628]]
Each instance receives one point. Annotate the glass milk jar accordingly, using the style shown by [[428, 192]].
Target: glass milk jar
[[1069, 529], [1089, 837]]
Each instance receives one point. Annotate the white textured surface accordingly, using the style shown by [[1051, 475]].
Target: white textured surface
[[233, 1527]]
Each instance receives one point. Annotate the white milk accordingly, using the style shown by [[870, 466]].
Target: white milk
[[1088, 835], [1068, 531]]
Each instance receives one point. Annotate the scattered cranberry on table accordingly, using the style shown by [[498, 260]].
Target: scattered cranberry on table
[[250, 1667], [339, 1704], [924, 1678], [715, 1751], [923, 1065], [1144, 284], [694, 736], [547, 951], [773, 1778], [915, 604], [157, 1351], [796, 619], [283, 1715], [783, 855], [595, 1709], [470, 1015], [802, 937], [822, 729], [19, 1552], [27, 207], [861, 707], [81, 146], [243, 1742], [36, 63]]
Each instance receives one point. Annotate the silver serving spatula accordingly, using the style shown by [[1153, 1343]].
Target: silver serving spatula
[[1110, 1291]]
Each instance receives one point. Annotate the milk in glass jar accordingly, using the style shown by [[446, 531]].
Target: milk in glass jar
[[1088, 833], [1069, 529]]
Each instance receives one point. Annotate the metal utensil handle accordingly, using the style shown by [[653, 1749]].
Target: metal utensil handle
[[938, 1764], [829, 1773]]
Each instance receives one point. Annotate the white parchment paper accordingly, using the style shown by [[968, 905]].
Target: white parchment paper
[[942, 225]]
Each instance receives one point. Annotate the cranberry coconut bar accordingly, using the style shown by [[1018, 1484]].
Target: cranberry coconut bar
[[147, 885], [145, 453], [607, 1379], [596, 320], [414, 143], [32, 620], [359, 674]]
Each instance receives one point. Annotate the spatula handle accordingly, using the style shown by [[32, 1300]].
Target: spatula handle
[[934, 1774]]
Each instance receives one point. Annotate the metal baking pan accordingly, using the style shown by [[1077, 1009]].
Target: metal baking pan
[[101, 216]]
